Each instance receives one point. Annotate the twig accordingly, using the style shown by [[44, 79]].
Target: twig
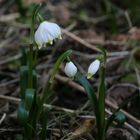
[[10, 130], [80, 40], [9, 82], [108, 42], [2, 118], [128, 19], [17, 100], [9, 17], [10, 59], [123, 85]]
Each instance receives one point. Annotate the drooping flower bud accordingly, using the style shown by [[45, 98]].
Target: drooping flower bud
[[93, 68], [70, 69], [47, 32]]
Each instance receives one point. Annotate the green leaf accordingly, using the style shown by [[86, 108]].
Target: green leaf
[[61, 58], [40, 18], [29, 98], [23, 80], [43, 120], [24, 55], [90, 92], [34, 79], [58, 63], [23, 114]]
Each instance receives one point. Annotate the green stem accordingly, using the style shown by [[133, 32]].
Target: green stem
[[36, 55], [31, 67], [101, 102], [35, 12]]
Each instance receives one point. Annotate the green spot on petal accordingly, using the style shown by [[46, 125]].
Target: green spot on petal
[[89, 75]]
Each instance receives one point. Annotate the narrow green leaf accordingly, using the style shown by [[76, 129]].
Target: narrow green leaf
[[34, 14], [23, 80], [24, 55], [40, 18], [58, 63], [23, 114], [29, 98], [34, 79], [44, 120]]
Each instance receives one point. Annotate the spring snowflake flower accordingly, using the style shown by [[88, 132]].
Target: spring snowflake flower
[[47, 32], [70, 69], [93, 68]]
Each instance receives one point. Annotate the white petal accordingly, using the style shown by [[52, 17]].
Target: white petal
[[46, 37], [47, 32], [70, 69], [94, 66], [53, 29], [38, 38]]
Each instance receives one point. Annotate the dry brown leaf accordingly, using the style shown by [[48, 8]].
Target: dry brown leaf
[[91, 36], [133, 35], [120, 93], [119, 134], [84, 128], [62, 13]]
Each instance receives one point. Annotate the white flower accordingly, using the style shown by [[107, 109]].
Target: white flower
[[46, 33], [93, 68], [70, 69]]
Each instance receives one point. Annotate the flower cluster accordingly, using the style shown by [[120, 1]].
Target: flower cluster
[[71, 70], [47, 32]]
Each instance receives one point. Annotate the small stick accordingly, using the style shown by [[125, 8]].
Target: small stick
[[80, 40], [9, 17], [2, 118], [10, 59], [17, 100]]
